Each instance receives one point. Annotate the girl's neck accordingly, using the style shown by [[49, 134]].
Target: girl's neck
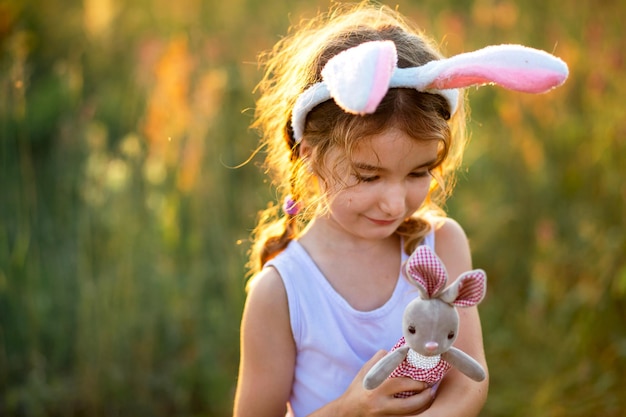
[[364, 272]]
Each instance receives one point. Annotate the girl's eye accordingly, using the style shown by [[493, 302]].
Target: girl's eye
[[420, 174], [361, 178]]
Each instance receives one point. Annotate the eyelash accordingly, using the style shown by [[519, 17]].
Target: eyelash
[[420, 174], [361, 178]]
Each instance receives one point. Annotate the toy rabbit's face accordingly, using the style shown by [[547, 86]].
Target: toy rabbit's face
[[430, 326]]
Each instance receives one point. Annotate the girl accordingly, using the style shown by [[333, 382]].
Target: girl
[[363, 170]]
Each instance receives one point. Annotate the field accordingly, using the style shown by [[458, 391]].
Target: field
[[126, 206]]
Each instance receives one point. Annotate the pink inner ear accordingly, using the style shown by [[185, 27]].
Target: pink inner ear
[[385, 64], [427, 270], [472, 288], [527, 80]]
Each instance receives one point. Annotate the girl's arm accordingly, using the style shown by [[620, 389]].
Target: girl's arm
[[458, 395], [267, 350]]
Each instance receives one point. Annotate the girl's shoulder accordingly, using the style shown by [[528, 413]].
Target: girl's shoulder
[[267, 285], [452, 245], [269, 279], [446, 228]]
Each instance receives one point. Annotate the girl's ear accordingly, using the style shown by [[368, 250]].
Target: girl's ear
[[305, 150], [306, 155]]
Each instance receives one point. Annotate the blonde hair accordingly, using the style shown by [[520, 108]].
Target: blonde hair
[[295, 63]]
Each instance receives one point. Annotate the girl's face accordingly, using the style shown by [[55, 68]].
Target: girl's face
[[388, 180]]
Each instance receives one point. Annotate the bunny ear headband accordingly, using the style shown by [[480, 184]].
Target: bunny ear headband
[[358, 78]]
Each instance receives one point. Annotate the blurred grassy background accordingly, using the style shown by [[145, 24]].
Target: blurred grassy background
[[124, 226]]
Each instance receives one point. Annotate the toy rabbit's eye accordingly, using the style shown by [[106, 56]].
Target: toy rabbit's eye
[[450, 335], [412, 329]]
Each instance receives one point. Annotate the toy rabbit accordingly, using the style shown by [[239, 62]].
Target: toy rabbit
[[430, 325]]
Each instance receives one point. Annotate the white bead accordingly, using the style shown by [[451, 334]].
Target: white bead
[[421, 361]]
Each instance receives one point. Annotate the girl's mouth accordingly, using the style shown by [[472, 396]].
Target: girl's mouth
[[381, 222]]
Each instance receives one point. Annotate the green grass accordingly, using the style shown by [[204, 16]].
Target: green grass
[[124, 226]]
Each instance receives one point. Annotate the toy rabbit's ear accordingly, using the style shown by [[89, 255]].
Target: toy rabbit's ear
[[514, 67], [426, 271], [468, 290], [358, 78]]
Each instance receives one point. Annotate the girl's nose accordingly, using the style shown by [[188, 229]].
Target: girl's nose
[[393, 201]]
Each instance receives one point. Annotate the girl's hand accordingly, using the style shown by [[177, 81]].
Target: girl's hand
[[359, 402]]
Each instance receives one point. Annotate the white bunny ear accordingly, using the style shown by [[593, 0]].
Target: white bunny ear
[[358, 78], [427, 271], [514, 67]]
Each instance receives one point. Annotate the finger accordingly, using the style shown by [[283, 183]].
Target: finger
[[414, 404], [404, 384]]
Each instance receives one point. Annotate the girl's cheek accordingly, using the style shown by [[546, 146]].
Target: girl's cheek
[[420, 191]]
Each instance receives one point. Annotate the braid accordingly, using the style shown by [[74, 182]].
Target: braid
[[276, 244], [286, 227]]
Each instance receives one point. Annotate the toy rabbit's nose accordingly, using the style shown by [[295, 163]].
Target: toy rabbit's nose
[[431, 346]]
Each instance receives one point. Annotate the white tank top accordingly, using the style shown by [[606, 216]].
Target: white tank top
[[333, 340]]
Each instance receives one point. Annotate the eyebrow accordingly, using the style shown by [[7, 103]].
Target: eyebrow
[[372, 168]]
